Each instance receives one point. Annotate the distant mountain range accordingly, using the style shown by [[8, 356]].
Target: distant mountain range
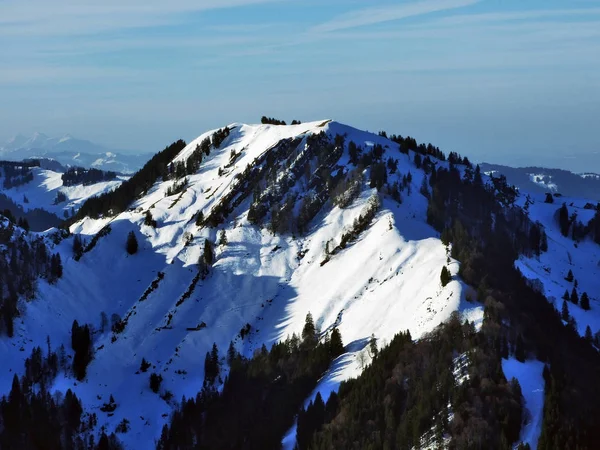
[[542, 180], [70, 151]]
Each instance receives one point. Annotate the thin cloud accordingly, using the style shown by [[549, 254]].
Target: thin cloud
[[374, 16], [68, 17]]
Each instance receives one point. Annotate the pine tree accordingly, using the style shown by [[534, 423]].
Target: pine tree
[[222, 238], [373, 346], [563, 220], [309, 332], [155, 381], [132, 243], [231, 354], [145, 365], [445, 276], [208, 256], [589, 337], [148, 220], [585, 301], [200, 219], [566, 296], [569, 276], [56, 268], [336, 345], [574, 297], [77, 246], [565, 311]]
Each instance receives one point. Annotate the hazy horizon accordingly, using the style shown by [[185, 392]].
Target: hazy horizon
[[502, 82]]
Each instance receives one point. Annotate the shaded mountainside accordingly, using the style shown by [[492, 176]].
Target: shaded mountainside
[[540, 180], [259, 268]]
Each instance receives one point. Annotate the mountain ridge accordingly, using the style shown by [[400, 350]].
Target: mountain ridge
[[71, 151]]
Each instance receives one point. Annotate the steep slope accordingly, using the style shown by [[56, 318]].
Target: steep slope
[[582, 256], [383, 279]]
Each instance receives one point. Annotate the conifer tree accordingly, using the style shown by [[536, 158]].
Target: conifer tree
[[309, 332], [445, 276], [589, 337], [132, 243], [336, 345], [77, 246], [569, 276], [574, 297], [155, 381], [563, 220], [222, 238], [585, 301], [208, 255], [565, 311], [373, 346]]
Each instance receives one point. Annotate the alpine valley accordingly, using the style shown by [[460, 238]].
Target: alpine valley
[[308, 286]]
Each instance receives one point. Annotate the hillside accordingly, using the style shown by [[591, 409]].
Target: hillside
[[251, 227], [32, 188], [539, 180]]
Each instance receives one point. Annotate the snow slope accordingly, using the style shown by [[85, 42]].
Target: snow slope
[[384, 282], [548, 271], [529, 375], [41, 192]]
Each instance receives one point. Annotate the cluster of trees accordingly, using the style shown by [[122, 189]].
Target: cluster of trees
[[570, 225], [315, 164], [81, 343], [272, 121], [487, 235], [149, 220], [348, 188], [23, 260], [42, 370], [177, 188], [192, 164], [17, 173], [259, 398], [410, 389], [60, 197], [31, 417], [118, 200], [79, 175], [574, 298]]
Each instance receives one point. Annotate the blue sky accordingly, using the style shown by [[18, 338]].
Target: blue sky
[[496, 80]]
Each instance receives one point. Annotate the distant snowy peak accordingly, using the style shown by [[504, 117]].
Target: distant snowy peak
[[71, 151]]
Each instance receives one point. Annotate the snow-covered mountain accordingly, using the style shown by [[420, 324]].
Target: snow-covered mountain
[[269, 281], [71, 151], [285, 243]]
